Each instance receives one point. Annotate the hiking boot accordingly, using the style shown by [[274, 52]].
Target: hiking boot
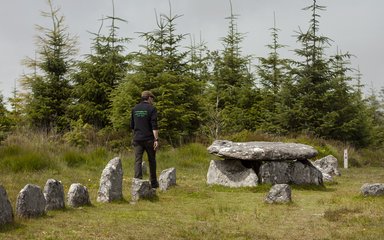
[[155, 184]]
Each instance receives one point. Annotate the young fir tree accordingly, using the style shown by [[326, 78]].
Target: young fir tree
[[345, 118], [273, 76], [231, 91], [5, 121], [17, 105], [163, 69], [375, 105], [49, 84], [98, 75]]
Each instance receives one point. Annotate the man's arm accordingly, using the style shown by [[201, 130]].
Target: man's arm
[[156, 142]]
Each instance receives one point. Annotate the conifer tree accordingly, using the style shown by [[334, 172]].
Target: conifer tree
[[5, 121], [232, 92], [162, 68], [273, 76], [99, 74], [311, 77], [49, 84]]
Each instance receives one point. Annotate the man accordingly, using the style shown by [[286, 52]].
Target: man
[[145, 135]]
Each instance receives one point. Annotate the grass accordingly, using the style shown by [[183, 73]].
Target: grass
[[193, 210]]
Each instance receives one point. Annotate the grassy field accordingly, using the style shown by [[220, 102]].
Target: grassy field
[[193, 210]]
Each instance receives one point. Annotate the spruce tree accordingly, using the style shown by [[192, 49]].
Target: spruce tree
[[5, 121], [311, 76], [231, 91], [99, 74], [273, 77], [49, 83], [162, 68]]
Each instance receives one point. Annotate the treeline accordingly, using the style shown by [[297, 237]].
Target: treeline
[[199, 92]]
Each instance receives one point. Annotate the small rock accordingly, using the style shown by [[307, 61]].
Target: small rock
[[279, 193], [167, 178], [30, 202], [142, 189], [6, 212], [54, 195], [78, 195], [374, 189]]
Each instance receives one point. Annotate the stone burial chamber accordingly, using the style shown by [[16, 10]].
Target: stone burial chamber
[[246, 164]]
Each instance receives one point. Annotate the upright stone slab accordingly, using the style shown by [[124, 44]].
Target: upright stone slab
[[372, 189], [328, 165], [78, 195], [296, 172], [6, 212], [141, 189], [30, 202], [304, 173], [261, 151], [230, 173], [111, 182], [275, 172], [279, 193], [167, 178], [54, 195]]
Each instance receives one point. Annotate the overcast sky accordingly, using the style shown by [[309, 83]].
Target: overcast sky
[[355, 26]]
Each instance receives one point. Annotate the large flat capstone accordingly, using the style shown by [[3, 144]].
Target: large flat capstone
[[261, 151]]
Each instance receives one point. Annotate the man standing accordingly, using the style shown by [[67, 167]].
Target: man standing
[[145, 135]]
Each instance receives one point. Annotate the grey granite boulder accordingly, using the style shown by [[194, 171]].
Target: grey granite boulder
[[167, 178], [373, 189], [78, 195], [328, 165], [54, 195], [270, 151], [295, 172], [6, 212], [279, 193], [111, 182], [30, 202], [231, 173], [141, 189]]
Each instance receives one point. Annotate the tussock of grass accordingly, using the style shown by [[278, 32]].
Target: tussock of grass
[[339, 214], [18, 159]]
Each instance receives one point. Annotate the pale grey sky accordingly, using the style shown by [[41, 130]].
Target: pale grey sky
[[355, 26]]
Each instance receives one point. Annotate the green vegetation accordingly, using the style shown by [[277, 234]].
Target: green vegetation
[[192, 209], [201, 93], [74, 117]]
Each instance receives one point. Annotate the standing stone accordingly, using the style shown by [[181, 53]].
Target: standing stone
[[374, 189], [279, 193], [231, 173], [167, 178], [296, 172], [304, 173], [141, 189], [78, 195], [275, 172], [54, 195], [30, 202], [111, 182], [6, 213], [328, 165]]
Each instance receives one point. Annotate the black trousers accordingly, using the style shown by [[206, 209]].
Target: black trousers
[[140, 147]]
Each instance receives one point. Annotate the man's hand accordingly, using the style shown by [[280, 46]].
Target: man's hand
[[155, 145]]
